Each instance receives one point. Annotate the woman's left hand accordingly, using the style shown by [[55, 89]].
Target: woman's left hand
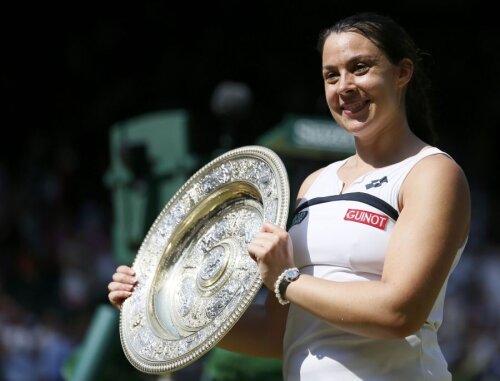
[[272, 249]]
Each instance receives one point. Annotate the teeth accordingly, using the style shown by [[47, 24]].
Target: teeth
[[354, 107]]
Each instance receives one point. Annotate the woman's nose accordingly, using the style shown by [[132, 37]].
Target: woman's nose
[[345, 83]]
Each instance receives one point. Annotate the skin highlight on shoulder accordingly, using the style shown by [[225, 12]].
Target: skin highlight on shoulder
[[306, 184], [440, 177]]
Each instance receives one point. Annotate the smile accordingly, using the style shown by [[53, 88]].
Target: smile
[[355, 107]]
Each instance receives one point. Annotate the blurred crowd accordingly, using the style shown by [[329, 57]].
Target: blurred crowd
[[56, 260]]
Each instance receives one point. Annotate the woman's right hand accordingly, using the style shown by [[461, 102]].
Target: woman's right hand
[[122, 285]]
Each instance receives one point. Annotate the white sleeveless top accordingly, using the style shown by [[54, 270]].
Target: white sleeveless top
[[346, 240]]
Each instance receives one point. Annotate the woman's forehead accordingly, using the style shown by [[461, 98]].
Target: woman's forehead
[[341, 46], [349, 40]]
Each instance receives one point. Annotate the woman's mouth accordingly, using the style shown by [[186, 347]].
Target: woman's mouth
[[354, 107]]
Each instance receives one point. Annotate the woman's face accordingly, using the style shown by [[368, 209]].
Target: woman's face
[[363, 89]]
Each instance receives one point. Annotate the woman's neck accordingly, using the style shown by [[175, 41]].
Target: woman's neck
[[386, 150]]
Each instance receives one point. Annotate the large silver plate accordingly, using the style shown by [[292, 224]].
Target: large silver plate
[[195, 277]]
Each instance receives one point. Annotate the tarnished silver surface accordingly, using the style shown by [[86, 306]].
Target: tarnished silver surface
[[195, 277]]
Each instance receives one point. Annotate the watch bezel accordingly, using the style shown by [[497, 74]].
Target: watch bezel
[[292, 275]]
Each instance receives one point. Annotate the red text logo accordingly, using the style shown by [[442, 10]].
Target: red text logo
[[368, 218]]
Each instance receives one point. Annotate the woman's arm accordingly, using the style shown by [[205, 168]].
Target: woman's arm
[[432, 226], [260, 330]]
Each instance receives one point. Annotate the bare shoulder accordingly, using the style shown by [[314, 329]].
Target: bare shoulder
[[306, 184], [438, 172], [438, 185]]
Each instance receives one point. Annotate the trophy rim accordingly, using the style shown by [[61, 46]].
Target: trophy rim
[[147, 278]]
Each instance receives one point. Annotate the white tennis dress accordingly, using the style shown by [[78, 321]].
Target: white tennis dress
[[345, 239]]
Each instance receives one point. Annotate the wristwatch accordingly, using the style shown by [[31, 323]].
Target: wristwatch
[[284, 280]]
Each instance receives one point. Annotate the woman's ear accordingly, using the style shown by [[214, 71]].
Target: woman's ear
[[405, 71]]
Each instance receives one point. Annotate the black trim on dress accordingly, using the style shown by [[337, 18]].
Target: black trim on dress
[[354, 196]]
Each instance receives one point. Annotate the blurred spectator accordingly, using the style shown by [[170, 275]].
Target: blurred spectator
[[470, 334], [55, 263]]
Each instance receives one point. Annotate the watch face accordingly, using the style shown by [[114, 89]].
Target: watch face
[[291, 275]]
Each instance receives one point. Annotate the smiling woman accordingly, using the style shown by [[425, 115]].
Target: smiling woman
[[374, 244]]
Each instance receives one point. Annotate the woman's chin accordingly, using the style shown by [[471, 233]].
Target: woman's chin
[[356, 128]]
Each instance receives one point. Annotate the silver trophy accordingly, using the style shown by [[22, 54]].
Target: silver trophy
[[195, 276]]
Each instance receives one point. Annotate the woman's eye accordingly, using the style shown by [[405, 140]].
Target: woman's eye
[[361, 68], [331, 76]]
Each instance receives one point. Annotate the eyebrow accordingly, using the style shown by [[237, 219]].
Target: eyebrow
[[357, 58]]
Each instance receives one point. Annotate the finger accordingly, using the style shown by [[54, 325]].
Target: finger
[[125, 270], [256, 251], [252, 255], [266, 241], [270, 232], [262, 246], [251, 251], [119, 286], [272, 228], [118, 297], [266, 237], [275, 230], [124, 278]]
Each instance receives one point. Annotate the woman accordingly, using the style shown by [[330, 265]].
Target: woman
[[357, 284]]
